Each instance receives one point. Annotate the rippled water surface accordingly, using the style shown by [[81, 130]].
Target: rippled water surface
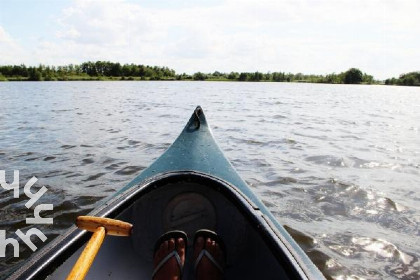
[[338, 165]]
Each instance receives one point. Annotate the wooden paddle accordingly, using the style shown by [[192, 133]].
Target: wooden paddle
[[100, 227]]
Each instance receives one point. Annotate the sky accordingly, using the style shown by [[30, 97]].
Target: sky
[[382, 38]]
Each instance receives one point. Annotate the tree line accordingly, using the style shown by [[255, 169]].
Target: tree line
[[85, 71], [409, 79], [105, 70], [352, 76]]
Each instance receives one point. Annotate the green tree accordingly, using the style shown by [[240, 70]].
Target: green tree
[[34, 74], [233, 76], [367, 79], [199, 76], [409, 79], [257, 76], [331, 79], [243, 76], [353, 76], [115, 70], [298, 77], [217, 74], [278, 77]]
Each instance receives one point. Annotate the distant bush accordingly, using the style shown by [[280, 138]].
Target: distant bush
[[353, 76], [34, 75], [2, 78], [408, 79], [199, 76], [50, 78]]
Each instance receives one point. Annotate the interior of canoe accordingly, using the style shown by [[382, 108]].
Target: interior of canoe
[[183, 202]]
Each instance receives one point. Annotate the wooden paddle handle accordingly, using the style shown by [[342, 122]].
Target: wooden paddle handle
[[100, 227], [112, 227], [81, 268]]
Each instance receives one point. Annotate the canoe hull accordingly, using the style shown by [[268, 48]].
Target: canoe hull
[[191, 186]]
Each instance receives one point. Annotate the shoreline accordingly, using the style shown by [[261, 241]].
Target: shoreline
[[138, 79], [171, 79]]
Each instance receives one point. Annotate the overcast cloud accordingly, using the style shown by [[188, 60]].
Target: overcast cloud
[[379, 37]]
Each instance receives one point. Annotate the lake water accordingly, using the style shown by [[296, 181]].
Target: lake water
[[338, 165]]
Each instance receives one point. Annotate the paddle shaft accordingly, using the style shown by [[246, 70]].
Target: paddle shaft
[[81, 268]]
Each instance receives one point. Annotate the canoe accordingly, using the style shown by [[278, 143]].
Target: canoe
[[191, 186]]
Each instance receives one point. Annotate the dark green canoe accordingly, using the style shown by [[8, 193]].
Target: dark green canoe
[[190, 187]]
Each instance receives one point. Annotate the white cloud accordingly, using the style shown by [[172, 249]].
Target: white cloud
[[71, 33], [4, 36], [10, 51], [380, 37]]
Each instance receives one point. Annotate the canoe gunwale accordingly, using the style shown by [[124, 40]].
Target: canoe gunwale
[[49, 258]]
